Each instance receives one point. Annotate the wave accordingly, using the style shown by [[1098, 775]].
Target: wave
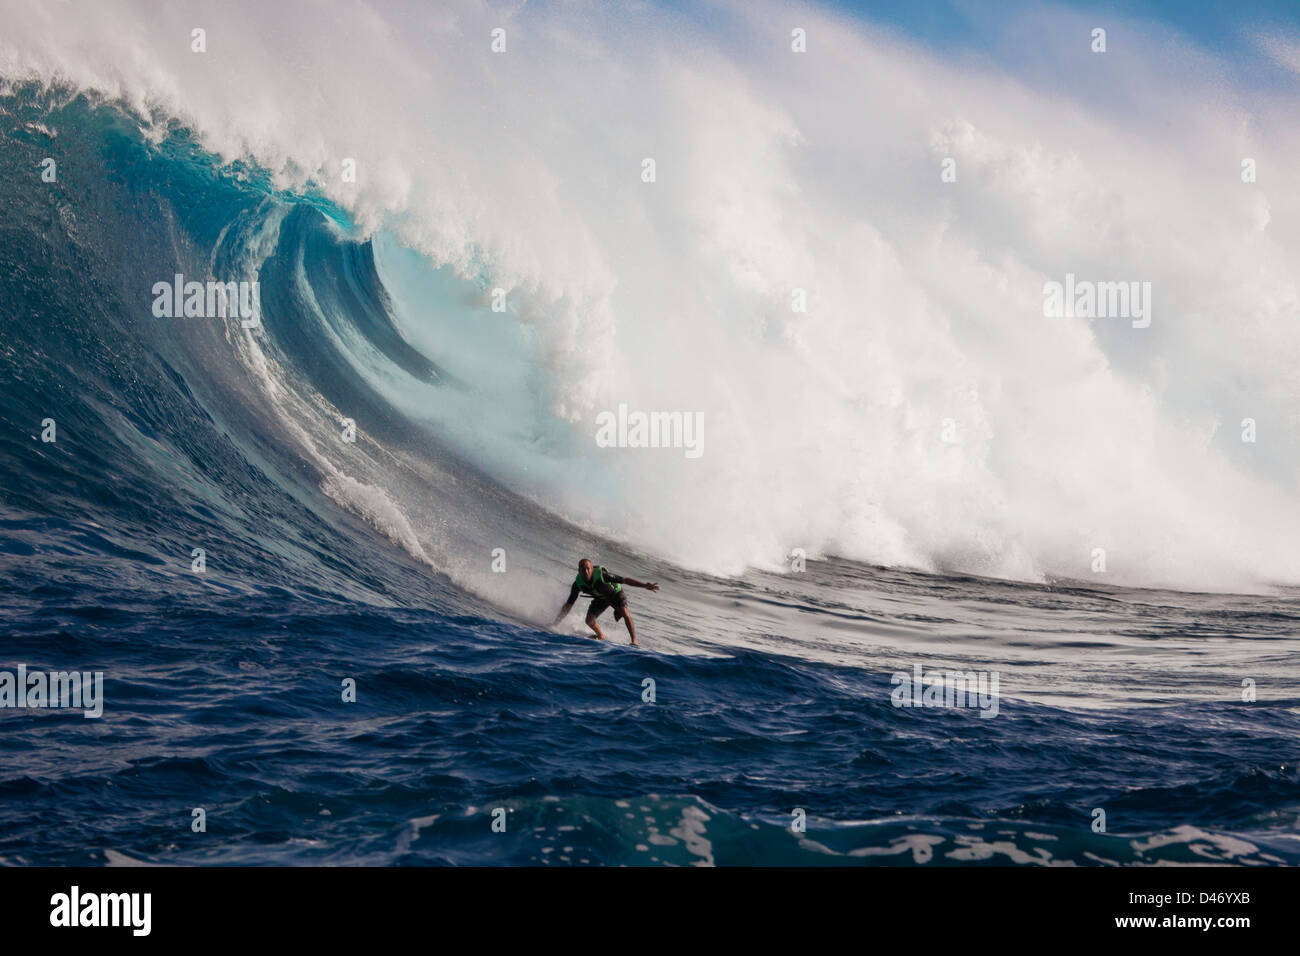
[[921, 413]]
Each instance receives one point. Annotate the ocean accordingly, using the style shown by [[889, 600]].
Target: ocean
[[312, 546]]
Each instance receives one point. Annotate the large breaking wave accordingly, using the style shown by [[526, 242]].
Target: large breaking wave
[[824, 429]]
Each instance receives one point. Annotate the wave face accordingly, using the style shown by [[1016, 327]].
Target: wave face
[[922, 412], [327, 558]]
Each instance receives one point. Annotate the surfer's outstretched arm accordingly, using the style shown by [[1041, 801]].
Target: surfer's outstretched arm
[[633, 582], [564, 612], [568, 606]]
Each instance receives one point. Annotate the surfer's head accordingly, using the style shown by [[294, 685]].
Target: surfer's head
[[584, 567]]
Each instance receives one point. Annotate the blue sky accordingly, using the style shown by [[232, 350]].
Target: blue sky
[[1227, 28], [1211, 23]]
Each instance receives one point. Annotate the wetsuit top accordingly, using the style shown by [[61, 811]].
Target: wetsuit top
[[603, 585]]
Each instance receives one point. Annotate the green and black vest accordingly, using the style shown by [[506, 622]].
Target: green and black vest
[[597, 587]]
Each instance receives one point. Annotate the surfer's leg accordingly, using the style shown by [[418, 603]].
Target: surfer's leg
[[594, 611], [631, 628]]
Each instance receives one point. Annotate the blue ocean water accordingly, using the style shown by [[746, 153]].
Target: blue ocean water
[[772, 736]]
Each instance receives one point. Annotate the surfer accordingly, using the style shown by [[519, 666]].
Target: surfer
[[606, 591]]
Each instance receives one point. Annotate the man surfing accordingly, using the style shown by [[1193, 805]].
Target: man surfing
[[606, 591]]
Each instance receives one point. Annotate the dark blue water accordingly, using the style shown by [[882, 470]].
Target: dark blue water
[[771, 693]]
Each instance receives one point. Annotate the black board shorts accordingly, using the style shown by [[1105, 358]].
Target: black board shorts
[[599, 606]]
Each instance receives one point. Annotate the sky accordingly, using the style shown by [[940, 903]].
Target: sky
[[1222, 25]]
